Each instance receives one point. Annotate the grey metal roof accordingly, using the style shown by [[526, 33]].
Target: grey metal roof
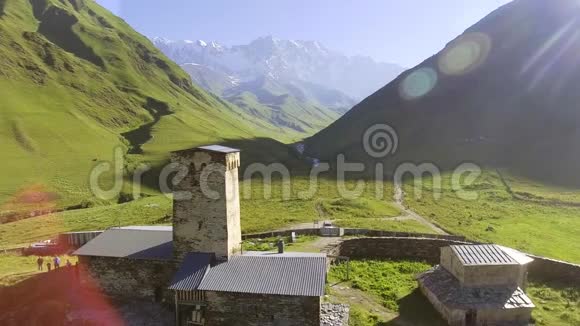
[[131, 242], [219, 148], [191, 272], [450, 292], [269, 274], [285, 254], [483, 255], [210, 148], [147, 227]]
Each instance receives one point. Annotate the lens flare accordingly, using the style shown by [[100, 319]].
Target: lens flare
[[418, 83], [464, 54]]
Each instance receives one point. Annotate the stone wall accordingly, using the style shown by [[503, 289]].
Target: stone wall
[[546, 269], [206, 208], [392, 248], [131, 278], [353, 232], [237, 309], [425, 249]]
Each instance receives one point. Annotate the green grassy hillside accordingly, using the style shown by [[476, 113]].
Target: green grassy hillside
[[501, 94], [289, 106], [77, 82], [542, 228], [261, 211]]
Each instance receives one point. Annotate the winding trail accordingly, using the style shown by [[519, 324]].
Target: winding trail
[[409, 214], [399, 198]]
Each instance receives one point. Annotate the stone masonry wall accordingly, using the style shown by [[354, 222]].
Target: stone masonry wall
[[392, 248], [131, 278], [237, 309], [429, 250], [206, 209], [547, 269]]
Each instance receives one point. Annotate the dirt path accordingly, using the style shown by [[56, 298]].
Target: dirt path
[[399, 196], [409, 214], [343, 293], [310, 225]]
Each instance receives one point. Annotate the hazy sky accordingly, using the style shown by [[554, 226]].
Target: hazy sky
[[400, 31]]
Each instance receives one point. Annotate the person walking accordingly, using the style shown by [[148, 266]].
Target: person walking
[[48, 266], [40, 262], [56, 262], [68, 263]]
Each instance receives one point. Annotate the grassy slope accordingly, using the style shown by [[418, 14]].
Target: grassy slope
[[15, 268], [548, 230], [258, 213], [68, 93], [285, 106]]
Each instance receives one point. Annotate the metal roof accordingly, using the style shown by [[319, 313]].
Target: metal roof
[[285, 254], [449, 291], [219, 148], [191, 272], [147, 227], [131, 242], [483, 255], [271, 273], [210, 148], [518, 256]]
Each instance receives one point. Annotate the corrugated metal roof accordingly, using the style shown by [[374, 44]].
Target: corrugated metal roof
[[219, 148], [449, 291], [285, 254], [131, 242], [483, 255], [210, 148], [518, 256], [281, 274], [191, 272], [147, 227]]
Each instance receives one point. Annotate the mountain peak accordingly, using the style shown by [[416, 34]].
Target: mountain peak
[[281, 59]]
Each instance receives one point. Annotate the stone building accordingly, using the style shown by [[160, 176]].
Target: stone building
[[479, 285], [197, 265]]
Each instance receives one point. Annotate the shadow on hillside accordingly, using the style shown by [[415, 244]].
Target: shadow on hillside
[[415, 309], [258, 150], [2, 5], [265, 151], [56, 24], [137, 137]]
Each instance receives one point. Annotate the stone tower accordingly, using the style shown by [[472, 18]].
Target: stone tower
[[206, 203]]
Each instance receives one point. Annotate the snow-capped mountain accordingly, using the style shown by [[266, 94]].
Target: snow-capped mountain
[[285, 61]]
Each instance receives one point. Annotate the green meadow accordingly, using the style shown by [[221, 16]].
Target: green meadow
[[547, 229], [283, 204]]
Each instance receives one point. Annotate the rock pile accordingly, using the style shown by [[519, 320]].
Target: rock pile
[[334, 314]]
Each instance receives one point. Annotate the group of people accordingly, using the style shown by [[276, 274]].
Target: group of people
[[49, 266]]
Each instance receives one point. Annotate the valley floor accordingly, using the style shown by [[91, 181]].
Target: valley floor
[[537, 227]]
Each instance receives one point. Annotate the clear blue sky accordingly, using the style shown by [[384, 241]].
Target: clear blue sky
[[400, 31]]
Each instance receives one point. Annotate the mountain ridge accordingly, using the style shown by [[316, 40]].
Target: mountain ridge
[[251, 76], [286, 60], [78, 82], [501, 94]]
